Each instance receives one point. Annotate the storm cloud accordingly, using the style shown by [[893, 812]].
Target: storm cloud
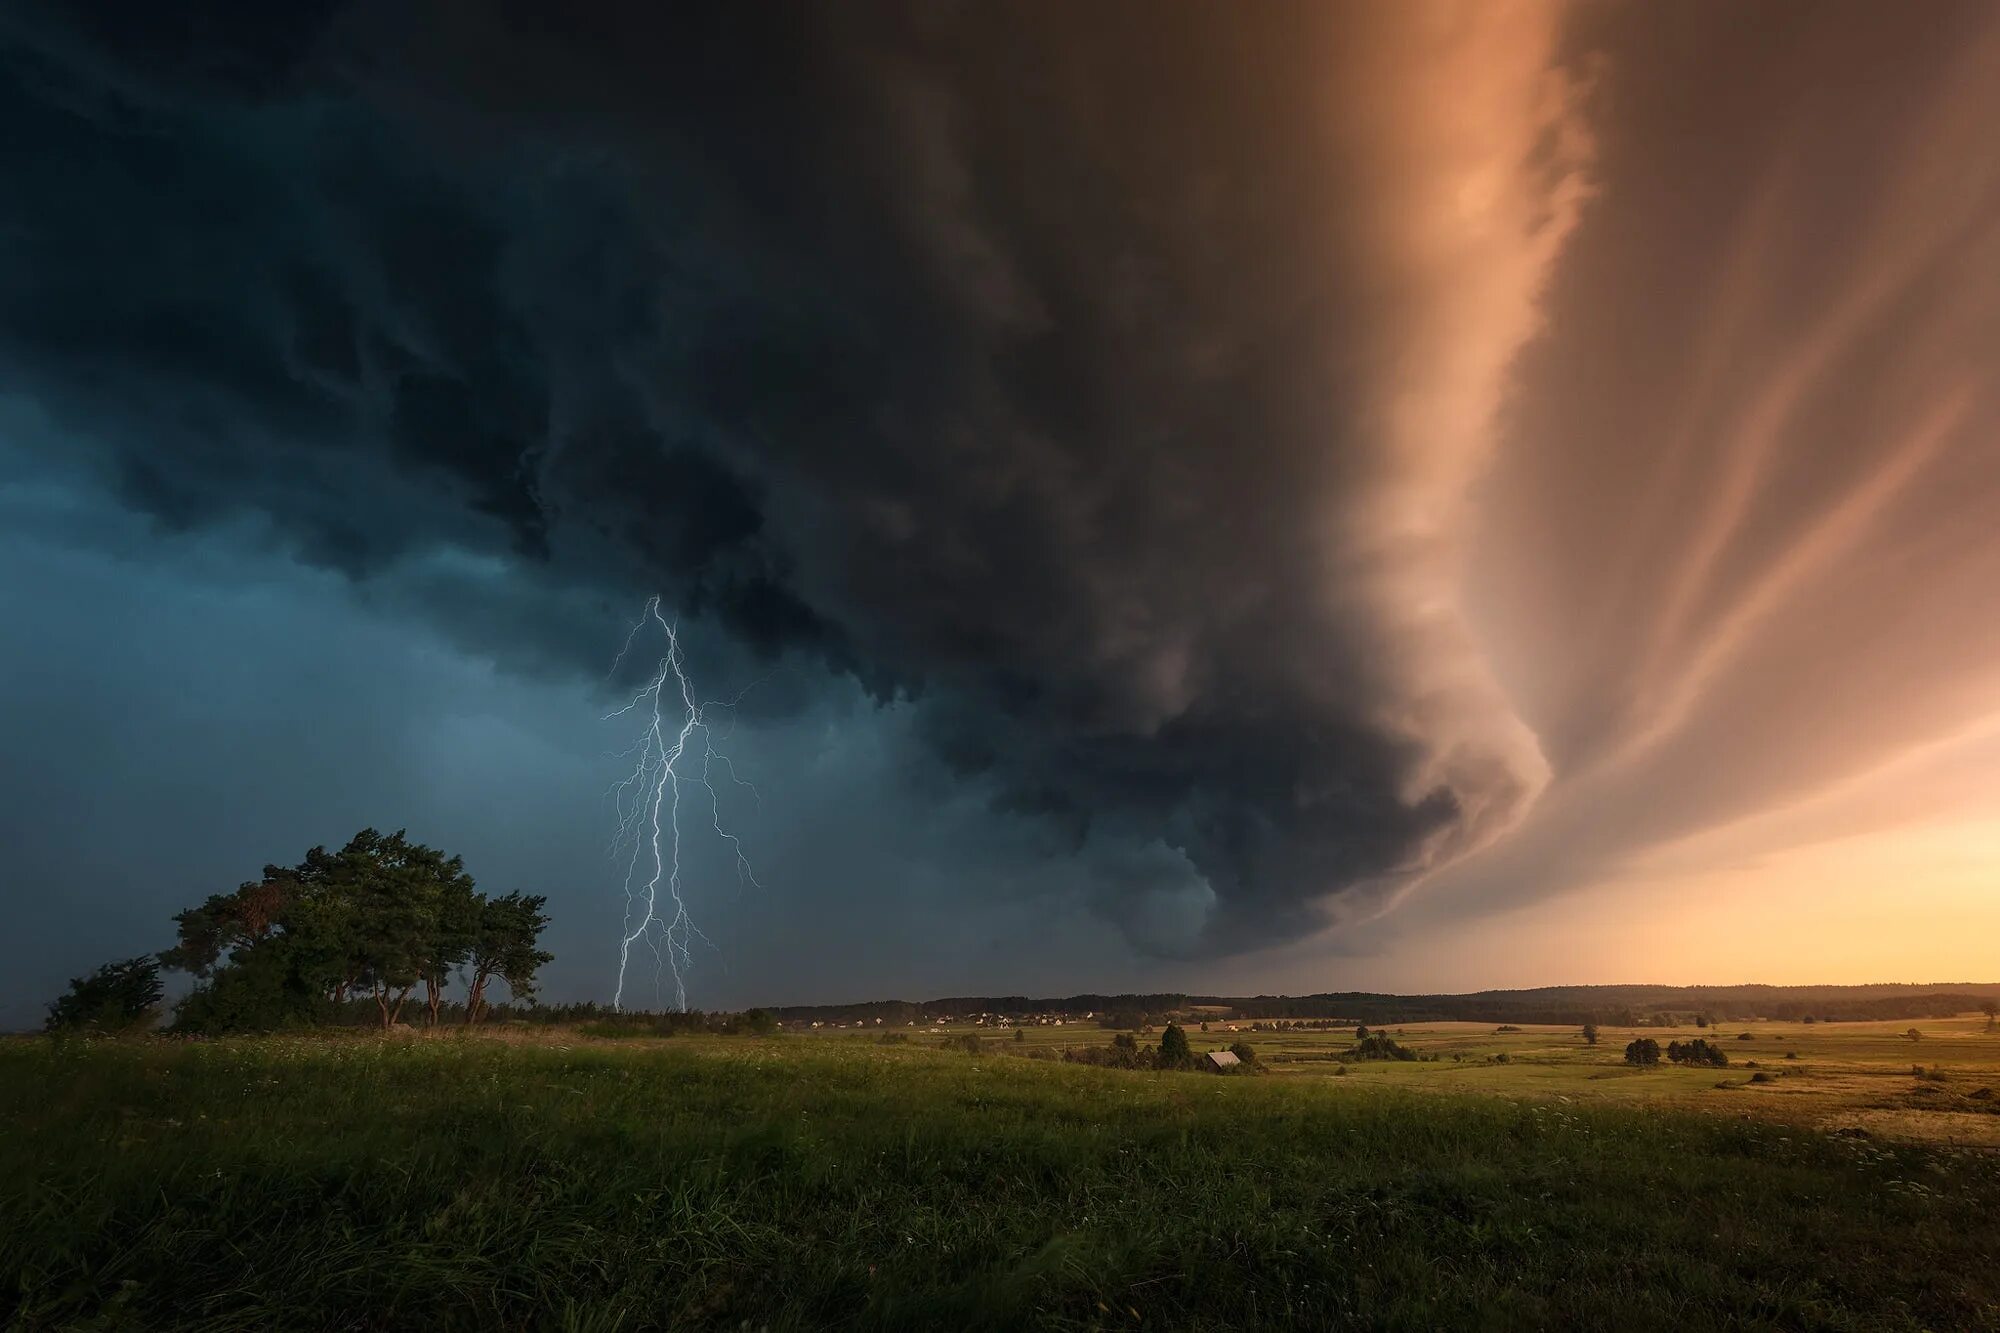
[[1110, 396], [1203, 495]]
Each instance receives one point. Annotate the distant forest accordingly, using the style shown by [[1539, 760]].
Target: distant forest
[[1619, 1005]]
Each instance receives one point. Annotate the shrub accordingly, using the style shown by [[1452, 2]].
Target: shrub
[[1115, 1056], [1020, 1034], [1590, 1034], [894, 1039], [1243, 1051], [1761, 1077], [1913, 1035], [1644, 1051], [1340, 1071], [1125, 1041], [1361, 1032], [1791, 1055], [1505, 1027], [964, 1041], [117, 997], [1743, 1036]]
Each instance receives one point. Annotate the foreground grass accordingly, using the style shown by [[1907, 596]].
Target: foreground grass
[[291, 1183]]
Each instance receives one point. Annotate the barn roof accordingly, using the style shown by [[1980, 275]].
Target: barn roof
[[1222, 1059]]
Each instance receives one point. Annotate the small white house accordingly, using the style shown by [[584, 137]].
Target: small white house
[[1221, 1060]]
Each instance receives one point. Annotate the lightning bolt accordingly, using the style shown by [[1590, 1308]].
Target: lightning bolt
[[677, 735]]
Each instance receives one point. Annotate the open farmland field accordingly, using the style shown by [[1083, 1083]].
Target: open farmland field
[[804, 1182], [1829, 1076]]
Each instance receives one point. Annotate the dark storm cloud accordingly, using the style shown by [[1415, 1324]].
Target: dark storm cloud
[[1038, 379]]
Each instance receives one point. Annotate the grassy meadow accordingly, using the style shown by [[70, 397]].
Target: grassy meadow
[[550, 1180]]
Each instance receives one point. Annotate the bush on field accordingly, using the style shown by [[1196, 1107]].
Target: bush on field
[[1697, 1052], [1644, 1051], [118, 997], [1114, 1056], [1243, 1051], [964, 1041], [1379, 1046]]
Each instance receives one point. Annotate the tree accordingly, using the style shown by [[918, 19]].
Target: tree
[[503, 946], [1991, 1008], [396, 907], [1913, 1035], [1590, 1034], [1174, 1051], [1644, 1051], [117, 997], [451, 923], [1243, 1051], [1361, 1032]]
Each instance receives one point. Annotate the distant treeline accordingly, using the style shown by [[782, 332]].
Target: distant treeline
[[1618, 1005]]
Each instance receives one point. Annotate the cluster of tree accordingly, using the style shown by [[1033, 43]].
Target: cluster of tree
[[1644, 1051], [1378, 1046], [1700, 1051], [370, 923], [1171, 1052]]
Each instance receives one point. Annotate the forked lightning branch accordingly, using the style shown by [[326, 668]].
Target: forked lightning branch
[[676, 747]]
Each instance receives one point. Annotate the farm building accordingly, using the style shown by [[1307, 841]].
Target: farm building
[[1221, 1060]]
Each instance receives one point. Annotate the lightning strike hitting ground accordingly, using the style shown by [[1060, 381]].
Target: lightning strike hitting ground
[[649, 807]]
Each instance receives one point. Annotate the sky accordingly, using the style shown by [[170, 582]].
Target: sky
[[1418, 497]]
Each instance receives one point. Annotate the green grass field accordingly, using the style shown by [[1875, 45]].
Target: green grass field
[[807, 1182]]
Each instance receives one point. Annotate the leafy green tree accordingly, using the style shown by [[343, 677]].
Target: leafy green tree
[[117, 997], [504, 946], [1174, 1051], [1991, 1008], [1590, 1034], [1644, 1051]]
